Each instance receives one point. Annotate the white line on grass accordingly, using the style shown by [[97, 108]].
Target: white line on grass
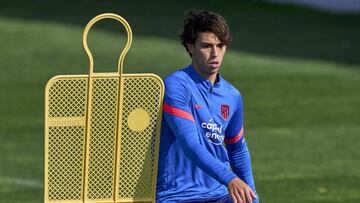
[[20, 182]]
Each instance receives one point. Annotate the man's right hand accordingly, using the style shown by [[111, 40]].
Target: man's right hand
[[240, 192]]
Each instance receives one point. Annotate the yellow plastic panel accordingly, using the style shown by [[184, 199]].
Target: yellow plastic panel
[[142, 96], [65, 138], [102, 138]]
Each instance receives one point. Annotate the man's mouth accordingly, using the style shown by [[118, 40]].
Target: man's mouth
[[214, 64]]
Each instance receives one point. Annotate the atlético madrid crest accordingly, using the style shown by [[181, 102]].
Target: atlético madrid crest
[[225, 111]]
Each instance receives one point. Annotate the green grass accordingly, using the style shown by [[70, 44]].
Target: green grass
[[301, 113]]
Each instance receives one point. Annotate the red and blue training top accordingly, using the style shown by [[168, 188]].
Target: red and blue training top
[[202, 136]]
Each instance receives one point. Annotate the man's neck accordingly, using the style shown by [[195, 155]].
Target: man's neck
[[211, 78]]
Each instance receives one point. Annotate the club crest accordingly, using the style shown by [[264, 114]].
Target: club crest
[[225, 111]]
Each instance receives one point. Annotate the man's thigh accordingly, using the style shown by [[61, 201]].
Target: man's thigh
[[225, 199]]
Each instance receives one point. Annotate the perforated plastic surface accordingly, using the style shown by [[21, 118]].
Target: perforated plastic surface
[[134, 150], [137, 154], [103, 127], [66, 139]]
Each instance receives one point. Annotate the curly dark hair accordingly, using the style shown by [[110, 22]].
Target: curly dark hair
[[196, 20]]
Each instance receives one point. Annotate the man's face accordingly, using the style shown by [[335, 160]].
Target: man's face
[[207, 54]]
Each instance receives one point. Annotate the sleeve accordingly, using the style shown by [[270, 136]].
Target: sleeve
[[177, 112], [236, 146]]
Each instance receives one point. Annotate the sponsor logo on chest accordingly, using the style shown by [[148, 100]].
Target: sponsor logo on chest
[[213, 132]]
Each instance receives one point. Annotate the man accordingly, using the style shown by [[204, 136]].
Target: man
[[202, 114]]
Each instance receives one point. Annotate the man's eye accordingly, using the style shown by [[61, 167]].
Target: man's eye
[[206, 46], [220, 45]]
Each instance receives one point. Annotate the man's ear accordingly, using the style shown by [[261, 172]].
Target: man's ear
[[191, 48]]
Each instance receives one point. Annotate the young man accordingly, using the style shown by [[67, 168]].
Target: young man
[[202, 114]]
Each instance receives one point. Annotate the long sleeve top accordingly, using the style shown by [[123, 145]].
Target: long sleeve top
[[202, 144]]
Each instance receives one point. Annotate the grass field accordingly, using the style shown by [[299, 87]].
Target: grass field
[[298, 71]]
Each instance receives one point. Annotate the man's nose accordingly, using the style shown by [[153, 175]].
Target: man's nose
[[214, 51]]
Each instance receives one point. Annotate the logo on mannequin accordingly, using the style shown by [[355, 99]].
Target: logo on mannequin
[[213, 133]]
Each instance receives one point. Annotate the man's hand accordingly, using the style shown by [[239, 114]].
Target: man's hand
[[240, 192]]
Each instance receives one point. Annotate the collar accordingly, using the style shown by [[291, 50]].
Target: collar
[[200, 80]]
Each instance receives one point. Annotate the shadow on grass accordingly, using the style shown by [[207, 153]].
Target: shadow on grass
[[257, 27]]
